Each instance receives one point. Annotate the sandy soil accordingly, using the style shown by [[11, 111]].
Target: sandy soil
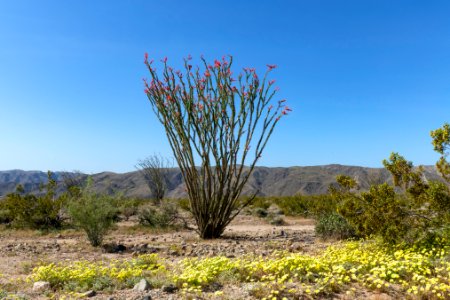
[[20, 251]]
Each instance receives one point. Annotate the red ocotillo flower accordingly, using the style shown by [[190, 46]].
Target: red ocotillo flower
[[271, 67]]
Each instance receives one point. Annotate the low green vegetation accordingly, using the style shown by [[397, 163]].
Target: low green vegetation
[[43, 212], [163, 216], [79, 206], [333, 225], [397, 238], [344, 268], [93, 213], [85, 275]]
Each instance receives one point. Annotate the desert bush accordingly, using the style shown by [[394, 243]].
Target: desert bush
[[163, 216], [35, 211], [5, 215], [184, 204], [305, 205], [94, 213], [276, 220], [333, 225], [129, 207], [260, 212], [441, 144], [262, 202], [128, 211], [420, 213], [224, 122], [293, 205]]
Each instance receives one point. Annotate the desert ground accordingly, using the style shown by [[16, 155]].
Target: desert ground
[[22, 250]]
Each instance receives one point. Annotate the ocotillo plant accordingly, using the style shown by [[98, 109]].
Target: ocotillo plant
[[222, 122]]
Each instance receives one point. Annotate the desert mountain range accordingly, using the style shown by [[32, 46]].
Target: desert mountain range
[[266, 180]]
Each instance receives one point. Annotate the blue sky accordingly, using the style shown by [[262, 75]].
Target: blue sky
[[364, 78]]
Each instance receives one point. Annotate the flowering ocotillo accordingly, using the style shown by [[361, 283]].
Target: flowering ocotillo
[[222, 123]]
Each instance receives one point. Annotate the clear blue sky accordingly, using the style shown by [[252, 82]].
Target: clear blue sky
[[364, 77]]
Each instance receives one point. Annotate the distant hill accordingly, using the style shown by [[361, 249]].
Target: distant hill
[[268, 181]]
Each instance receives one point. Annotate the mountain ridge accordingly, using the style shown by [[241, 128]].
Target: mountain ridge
[[268, 181]]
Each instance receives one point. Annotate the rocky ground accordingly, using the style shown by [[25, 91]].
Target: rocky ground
[[20, 251]]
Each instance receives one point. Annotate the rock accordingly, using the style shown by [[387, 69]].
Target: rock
[[114, 248], [169, 288], [142, 285], [39, 286], [148, 297], [296, 246], [88, 294]]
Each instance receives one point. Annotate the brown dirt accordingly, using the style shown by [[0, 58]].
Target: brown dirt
[[20, 251]]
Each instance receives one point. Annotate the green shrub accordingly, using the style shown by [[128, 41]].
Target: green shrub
[[305, 205], [41, 212], [5, 215], [276, 220], [184, 204], [129, 207], [262, 202], [335, 226], [93, 213], [260, 212], [161, 217], [293, 206], [420, 215]]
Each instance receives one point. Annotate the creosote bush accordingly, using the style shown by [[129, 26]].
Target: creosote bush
[[223, 122], [333, 225], [159, 217], [420, 214], [27, 210], [129, 207], [93, 213], [441, 144]]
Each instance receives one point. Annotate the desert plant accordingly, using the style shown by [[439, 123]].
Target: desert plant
[[262, 202], [261, 212], [441, 143], [184, 204], [276, 220], [35, 211], [5, 215], [223, 121], [73, 182], [94, 213], [128, 207], [333, 225], [420, 213], [161, 217], [293, 205], [154, 169], [305, 205]]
